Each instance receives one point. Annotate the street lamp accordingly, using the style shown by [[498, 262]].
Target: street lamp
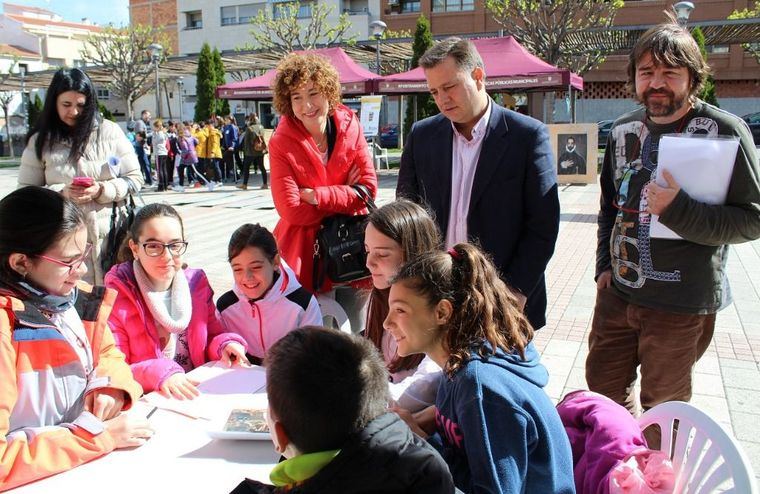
[[180, 84], [683, 11], [378, 28], [155, 56]]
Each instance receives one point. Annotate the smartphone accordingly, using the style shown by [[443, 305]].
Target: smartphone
[[83, 181]]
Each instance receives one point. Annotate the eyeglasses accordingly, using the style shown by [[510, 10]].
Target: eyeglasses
[[73, 265], [155, 249]]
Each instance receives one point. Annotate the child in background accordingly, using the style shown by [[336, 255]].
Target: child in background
[[266, 301], [497, 429], [64, 383], [214, 149], [188, 155], [164, 319], [142, 157], [164, 169], [327, 394], [395, 234]]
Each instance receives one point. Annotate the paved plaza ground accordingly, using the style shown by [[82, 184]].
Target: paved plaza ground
[[727, 380]]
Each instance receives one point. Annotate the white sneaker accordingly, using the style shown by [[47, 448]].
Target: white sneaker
[[178, 188]]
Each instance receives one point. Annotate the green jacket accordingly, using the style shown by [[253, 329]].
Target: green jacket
[[686, 275], [250, 137]]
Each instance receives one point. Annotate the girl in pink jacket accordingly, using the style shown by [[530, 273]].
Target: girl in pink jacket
[[164, 319]]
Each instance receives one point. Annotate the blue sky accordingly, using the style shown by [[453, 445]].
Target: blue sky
[[100, 12]]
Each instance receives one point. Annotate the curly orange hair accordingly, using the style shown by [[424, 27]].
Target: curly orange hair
[[297, 69]]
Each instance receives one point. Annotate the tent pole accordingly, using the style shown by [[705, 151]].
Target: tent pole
[[572, 102], [401, 114]]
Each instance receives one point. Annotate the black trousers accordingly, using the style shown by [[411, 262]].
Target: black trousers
[[258, 164]]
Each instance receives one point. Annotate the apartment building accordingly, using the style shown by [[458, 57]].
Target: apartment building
[[226, 25], [737, 73], [34, 39]]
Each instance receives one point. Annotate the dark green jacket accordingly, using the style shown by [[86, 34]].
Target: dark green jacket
[[250, 137], [688, 275]]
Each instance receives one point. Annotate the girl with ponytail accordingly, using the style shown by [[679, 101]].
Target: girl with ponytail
[[492, 422]]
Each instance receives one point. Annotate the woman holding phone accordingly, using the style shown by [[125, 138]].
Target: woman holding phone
[[73, 150]]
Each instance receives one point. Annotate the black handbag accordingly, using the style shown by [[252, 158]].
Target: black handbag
[[118, 229], [339, 246]]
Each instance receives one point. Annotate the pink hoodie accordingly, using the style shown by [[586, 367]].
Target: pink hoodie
[[135, 331]]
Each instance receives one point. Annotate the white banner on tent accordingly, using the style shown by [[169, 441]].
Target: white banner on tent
[[370, 114]]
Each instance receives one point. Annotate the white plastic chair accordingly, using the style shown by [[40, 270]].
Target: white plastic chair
[[380, 154], [333, 315], [706, 458]]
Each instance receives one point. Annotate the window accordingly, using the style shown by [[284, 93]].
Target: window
[[453, 5], [716, 48], [410, 6], [104, 94], [240, 14], [194, 20], [229, 15], [281, 9], [248, 12]]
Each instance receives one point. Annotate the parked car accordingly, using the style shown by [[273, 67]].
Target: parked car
[[389, 136], [604, 130], [753, 120]]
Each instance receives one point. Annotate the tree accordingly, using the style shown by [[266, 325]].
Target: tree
[[424, 103], [34, 111], [5, 101], [105, 112], [280, 31], [752, 48], [545, 27], [222, 105], [708, 91], [124, 53], [205, 104]]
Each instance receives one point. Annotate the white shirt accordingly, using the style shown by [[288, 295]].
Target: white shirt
[[464, 163]]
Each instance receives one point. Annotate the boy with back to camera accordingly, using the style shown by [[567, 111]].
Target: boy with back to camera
[[328, 396]]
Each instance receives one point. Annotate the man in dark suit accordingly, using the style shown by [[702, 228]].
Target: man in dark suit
[[487, 173]]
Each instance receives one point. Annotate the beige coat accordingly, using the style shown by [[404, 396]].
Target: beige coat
[[56, 171]]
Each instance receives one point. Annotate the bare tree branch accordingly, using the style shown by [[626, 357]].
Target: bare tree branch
[[285, 33], [543, 27], [124, 52], [751, 48]]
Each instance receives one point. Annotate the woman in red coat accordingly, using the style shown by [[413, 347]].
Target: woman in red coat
[[316, 154]]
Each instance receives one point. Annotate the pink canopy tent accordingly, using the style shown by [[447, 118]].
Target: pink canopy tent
[[354, 79], [508, 66]]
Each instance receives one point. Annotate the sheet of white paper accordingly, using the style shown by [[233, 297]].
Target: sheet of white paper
[[701, 165], [220, 387]]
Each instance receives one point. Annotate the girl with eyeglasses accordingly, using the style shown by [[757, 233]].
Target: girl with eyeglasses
[[164, 318], [64, 382]]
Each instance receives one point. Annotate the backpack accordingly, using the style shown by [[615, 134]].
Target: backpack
[[259, 144]]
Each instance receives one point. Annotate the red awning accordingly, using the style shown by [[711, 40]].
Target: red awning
[[354, 79], [508, 66]]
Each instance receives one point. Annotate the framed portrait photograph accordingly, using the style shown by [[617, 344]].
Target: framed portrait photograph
[[575, 152]]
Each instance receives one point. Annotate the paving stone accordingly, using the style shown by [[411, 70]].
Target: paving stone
[[741, 400], [561, 348], [708, 384], [742, 378]]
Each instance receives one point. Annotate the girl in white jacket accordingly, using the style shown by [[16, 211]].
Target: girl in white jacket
[[266, 301]]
